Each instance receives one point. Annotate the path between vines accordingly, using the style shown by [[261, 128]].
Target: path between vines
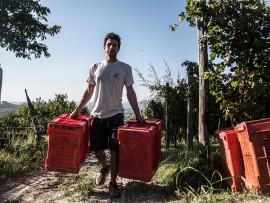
[[44, 186]]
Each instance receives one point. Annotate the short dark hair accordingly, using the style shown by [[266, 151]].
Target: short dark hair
[[112, 35]]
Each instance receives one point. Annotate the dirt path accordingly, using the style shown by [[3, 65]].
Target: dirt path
[[44, 186]]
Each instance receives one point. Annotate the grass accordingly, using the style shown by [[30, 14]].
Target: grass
[[199, 180], [186, 177], [77, 186], [21, 155]]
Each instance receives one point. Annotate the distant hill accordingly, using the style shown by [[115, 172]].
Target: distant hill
[[7, 107], [11, 107], [126, 105]]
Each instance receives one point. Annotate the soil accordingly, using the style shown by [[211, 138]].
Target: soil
[[55, 187]]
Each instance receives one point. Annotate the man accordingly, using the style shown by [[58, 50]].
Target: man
[[108, 78]]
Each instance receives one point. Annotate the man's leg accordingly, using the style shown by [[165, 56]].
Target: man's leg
[[102, 158], [115, 122], [114, 166], [98, 143], [113, 188]]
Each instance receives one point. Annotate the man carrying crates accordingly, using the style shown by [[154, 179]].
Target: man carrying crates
[[108, 78]]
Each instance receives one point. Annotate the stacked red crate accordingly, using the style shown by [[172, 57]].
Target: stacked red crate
[[254, 137], [139, 149], [68, 143], [231, 157]]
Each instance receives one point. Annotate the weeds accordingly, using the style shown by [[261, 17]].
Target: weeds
[[197, 180], [20, 155]]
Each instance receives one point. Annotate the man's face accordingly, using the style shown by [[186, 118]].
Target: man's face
[[111, 47]]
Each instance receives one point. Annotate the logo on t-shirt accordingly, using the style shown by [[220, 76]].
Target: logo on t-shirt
[[116, 75]]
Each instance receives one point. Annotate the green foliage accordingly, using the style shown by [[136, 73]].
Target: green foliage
[[238, 38], [193, 178], [156, 107], [239, 35], [20, 155], [172, 159], [177, 101], [198, 180], [19, 122], [23, 26]]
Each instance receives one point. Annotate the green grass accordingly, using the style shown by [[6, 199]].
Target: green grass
[[185, 177], [21, 155], [199, 180]]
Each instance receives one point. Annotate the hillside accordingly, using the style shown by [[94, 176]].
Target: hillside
[[7, 107], [11, 107], [126, 105]]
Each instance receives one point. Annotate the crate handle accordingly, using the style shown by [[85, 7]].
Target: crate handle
[[150, 127], [240, 128], [76, 119], [139, 128]]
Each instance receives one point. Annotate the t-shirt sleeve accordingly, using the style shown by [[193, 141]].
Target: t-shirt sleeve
[[91, 76], [129, 77]]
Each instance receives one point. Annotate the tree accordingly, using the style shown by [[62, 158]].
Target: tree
[[239, 34], [238, 40], [177, 96], [19, 122], [195, 12], [23, 27], [203, 84]]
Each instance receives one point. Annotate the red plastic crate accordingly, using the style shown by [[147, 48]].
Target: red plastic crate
[[139, 149], [68, 143], [254, 138], [231, 157], [157, 144]]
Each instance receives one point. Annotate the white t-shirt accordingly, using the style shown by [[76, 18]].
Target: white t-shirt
[[109, 80]]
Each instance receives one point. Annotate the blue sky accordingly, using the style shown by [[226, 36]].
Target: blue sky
[[143, 26]]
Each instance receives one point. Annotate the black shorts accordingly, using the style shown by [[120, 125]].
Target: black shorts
[[103, 132]]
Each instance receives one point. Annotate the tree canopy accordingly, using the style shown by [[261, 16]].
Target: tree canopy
[[23, 26], [238, 34]]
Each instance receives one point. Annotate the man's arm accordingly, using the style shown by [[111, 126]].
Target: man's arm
[[132, 98], [85, 98]]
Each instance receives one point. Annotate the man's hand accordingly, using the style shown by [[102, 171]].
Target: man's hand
[[140, 119], [86, 97], [74, 113]]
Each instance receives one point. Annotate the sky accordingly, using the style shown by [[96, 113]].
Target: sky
[[146, 38]]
